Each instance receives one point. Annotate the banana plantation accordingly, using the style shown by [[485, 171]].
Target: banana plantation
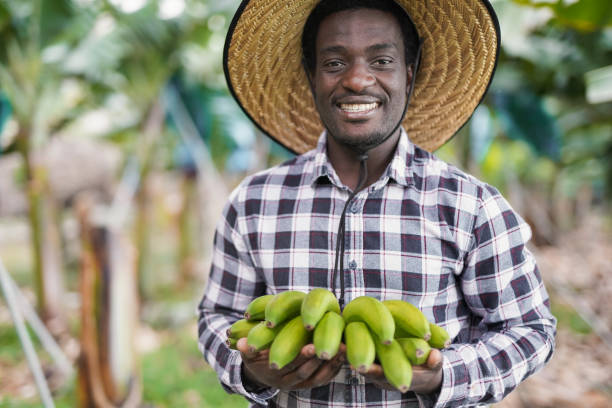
[[120, 143]]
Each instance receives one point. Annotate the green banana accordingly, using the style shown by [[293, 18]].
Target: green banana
[[409, 320], [240, 328], [360, 350], [374, 314], [231, 343], [439, 337], [417, 350], [261, 336], [288, 343], [316, 303], [257, 308], [283, 306], [327, 335], [395, 364]]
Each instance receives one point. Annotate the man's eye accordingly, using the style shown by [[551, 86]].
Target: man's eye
[[383, 61], [333, 64]]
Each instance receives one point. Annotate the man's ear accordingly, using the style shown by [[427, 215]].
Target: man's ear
[[409, 73]]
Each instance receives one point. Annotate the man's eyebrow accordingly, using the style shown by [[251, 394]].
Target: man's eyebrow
[[333, 49], [382, 46]]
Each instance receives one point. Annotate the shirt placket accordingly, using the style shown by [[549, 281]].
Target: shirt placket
[[353, 249], [354, 284]]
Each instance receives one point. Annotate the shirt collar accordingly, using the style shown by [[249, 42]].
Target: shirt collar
[[399, 168]]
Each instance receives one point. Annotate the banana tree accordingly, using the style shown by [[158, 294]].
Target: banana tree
[[31, 79]]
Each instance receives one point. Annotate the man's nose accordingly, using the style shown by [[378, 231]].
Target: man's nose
[[358, 78]]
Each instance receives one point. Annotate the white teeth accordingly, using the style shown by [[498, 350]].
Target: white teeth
[[358, 107]]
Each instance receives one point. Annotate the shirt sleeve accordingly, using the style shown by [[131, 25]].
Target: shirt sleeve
[[232, 284], [503, 288]]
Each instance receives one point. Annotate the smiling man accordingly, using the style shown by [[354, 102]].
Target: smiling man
[[365, 90]]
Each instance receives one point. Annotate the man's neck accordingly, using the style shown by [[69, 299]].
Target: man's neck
[[347, 165]]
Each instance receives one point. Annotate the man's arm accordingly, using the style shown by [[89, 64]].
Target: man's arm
[[503, 288], [232, 284]]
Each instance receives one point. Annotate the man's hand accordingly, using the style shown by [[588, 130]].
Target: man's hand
[[306, 371], [426, 378]]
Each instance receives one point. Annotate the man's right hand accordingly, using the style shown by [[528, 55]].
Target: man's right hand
[[306, 371]]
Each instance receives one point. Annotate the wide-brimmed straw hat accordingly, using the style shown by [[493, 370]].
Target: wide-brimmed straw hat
[[263, 67]]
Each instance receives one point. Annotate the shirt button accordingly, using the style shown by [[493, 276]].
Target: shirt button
[[355, 208], [353, 265], [354, 381]]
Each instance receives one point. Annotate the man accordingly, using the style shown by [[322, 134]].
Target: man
[[409, 226]]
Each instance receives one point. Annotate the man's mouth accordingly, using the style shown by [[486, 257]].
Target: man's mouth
[[358, 107]]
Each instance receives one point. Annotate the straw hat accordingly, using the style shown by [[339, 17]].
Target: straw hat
[[262, 63]]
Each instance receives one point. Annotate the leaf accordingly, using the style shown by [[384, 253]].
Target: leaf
[[5, 113], [599, 85], [588, 15], [523, 116], [585, 15], [54, 17], [5, 17]]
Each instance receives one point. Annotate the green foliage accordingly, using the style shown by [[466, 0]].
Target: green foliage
[[523, 116], [568, 318], [176, 376], [10, 347], [587, 15]]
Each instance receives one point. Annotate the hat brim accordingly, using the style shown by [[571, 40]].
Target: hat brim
[[262, 64]]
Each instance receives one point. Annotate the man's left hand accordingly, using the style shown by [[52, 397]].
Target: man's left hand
[[426, 378]]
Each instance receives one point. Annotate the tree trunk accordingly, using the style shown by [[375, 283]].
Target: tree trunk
[[152, 128], [188, 228], [108, 366], [45, 240]]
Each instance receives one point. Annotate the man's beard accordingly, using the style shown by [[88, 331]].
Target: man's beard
[[361, 145]]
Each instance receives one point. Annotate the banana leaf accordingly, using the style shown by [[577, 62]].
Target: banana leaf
[[586, 15], [523, 116], [599, 85]]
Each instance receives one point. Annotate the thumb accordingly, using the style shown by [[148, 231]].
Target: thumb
[[434, 361], [243, 347]]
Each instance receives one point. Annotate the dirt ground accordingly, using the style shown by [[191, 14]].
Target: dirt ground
[[577, 272]]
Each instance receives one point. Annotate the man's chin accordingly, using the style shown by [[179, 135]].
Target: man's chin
[[360, 141]]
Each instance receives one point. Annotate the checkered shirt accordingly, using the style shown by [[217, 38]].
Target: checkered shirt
[[425, 232]]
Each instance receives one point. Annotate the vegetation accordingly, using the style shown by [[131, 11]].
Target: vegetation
[[145, 78]]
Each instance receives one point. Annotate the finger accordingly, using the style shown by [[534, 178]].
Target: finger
[[434, 361], [307, 353], [375, 371], [242, 346], [302, 373], [247, 354], [325, 373]]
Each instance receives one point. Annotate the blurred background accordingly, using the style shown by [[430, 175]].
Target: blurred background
[[119, 144]]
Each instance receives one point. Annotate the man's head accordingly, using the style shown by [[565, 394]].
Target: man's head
[[358, 56], [328, 7]]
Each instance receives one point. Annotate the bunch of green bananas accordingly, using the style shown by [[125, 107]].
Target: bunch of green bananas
[[393, 332]]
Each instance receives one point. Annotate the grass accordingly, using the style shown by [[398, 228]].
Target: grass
[[568, 318], [174, 375]]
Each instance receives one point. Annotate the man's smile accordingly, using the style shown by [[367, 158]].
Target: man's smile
[[358, 107]]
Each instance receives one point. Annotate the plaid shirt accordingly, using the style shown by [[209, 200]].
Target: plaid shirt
[[425, 232]]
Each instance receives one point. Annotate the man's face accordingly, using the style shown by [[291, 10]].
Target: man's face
[[360, 82]]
